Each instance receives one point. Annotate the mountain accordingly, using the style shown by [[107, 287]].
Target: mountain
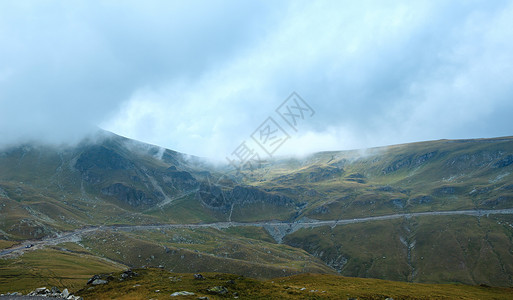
[[445, 175], [108, 199], [427, 176]]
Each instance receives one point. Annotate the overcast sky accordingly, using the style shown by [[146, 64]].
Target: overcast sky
[[201, 76]]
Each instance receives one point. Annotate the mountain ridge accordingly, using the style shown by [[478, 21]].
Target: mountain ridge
[[114, 181]]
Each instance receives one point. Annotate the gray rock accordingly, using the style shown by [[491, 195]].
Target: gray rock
[[411, 161], [215, 198], [508, 160], [99, 157], [424, 199], [93, 279], [218, 290], [128, 274], [129, 195], [65, 293], [444, 191], [182, 293], [41, 290], [3, 193], [99, 281]]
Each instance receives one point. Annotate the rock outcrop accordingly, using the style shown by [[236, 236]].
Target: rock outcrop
[[182, 180], [215, 198], [131, 196], [54, 292], [411, 161]]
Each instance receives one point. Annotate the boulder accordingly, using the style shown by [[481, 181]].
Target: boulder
[[99, 281], [65, 293], [128, 274], [218, 290], [93, 279], [182, 293], [41, 290]]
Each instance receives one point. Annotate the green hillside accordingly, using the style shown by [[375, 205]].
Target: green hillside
[[110, 180], [159, 284], [427, 176]]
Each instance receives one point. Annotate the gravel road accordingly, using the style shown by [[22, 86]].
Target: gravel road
[[277, 229]]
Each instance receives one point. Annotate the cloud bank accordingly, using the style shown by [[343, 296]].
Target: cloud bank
[[199, 77]]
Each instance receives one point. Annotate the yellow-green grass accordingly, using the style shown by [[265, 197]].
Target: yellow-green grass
[[203, 250], [159, 284], [460, 165], [433, 249], [256, 233], [52, 267], [187, 209], [7, 244]]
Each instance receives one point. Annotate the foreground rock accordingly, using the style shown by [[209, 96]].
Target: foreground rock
[[43, 292], [101, 279], [182, 293], [218, 290]]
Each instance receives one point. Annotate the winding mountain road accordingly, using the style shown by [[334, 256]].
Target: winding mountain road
[[276, 228]]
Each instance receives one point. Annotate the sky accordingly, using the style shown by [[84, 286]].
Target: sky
[[204, 77]]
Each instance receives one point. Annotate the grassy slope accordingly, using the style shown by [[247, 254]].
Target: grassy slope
[[181, 250], [41, 193], [453, 174], [66, 266], [187, 250], [424, 249], [427, 176], [159, 284], [448, 174]]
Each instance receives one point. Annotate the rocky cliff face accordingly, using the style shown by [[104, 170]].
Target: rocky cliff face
[[410, 161], [180, 180], [132, 196], [46, 190], [215, 198], [98, 156], [112, 171]]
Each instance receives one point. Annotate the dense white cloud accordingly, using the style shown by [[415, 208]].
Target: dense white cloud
[[199, 77]]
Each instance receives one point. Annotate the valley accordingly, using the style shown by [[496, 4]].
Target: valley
[[256, 150], [433, 212], [271, 227]]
